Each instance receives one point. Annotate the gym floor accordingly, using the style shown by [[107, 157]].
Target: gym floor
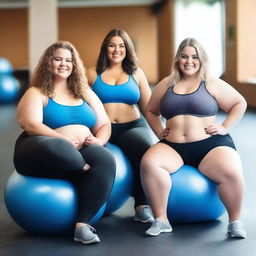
[[120, 235]]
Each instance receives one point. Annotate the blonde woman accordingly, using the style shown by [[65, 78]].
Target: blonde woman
[[189, 101]]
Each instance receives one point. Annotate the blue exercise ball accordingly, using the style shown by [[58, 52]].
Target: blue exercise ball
[[123, 183], [9, 89], [42, 205], [193, 197], [5, 66]]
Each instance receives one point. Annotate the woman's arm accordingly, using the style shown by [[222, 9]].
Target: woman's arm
[[230, 101], [91, 75], [145, 91], [30, 115], [102, 128], [153, 108]]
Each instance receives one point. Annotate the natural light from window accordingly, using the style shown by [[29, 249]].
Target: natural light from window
[[203, 20]]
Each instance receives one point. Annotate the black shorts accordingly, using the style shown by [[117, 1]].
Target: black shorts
[[192, 153]]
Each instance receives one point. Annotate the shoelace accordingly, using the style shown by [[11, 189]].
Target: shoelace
[[156, 223], [88, 226]]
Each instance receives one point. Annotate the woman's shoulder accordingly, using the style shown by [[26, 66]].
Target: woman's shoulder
[[165, 82], [139, 72], [215, 82], [91, 75], [91, 71], [162, 86], [33, 95], [34, 91]]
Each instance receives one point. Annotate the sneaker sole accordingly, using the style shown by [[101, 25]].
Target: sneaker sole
[[93, 241], [236, 236], [158, 233], [143, 221]]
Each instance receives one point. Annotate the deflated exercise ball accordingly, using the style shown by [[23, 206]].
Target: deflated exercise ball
[[5, 66], [41, 205], [193, 197], [123, 183], [9, 88]]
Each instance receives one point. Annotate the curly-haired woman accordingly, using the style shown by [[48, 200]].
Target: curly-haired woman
[[65, 129]]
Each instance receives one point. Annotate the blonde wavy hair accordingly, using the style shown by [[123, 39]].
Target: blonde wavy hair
[[42, 77], [176, 74]]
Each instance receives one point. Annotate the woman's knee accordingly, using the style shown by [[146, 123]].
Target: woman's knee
[[148, 163], [100, 158]]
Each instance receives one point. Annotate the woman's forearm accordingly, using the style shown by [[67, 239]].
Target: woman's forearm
[[235, 115], [155, 123]]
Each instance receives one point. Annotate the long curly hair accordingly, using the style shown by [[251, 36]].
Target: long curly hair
[[129, 63], [176, 74], [42, 77]]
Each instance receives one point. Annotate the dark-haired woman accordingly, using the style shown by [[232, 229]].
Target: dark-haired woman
[[124, 90]]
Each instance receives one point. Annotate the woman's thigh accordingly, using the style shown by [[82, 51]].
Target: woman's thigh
[[135, 139], [221, 163], [41, 154]]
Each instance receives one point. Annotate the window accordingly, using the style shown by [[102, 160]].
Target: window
[[204, 21]]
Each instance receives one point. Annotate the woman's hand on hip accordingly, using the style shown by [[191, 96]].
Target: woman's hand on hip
[[216, 128]]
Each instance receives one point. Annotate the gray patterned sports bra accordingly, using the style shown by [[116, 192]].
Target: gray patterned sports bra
[[198, 103]]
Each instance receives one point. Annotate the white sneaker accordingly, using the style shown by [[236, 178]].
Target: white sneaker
[[157, 227], [236, 230], [144, 215], [86, 234]]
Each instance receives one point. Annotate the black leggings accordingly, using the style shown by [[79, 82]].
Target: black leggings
[[52, 157], [134, 139]]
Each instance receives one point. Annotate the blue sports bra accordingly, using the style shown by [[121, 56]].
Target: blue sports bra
[[128, 92], [56, 115], [198, 103]]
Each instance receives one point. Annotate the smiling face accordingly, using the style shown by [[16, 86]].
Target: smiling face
[[62, 64], [116, 50], [189, 63]]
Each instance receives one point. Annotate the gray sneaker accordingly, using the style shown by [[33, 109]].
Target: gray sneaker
[[236, 230], [144, 215], [86, 234], [158, 227]]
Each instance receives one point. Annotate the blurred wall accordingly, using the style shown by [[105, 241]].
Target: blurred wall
[[85, 28], [152, 31], [239, 42], [14, 36]]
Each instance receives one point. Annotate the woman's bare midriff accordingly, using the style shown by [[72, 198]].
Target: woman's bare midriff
[[121, 112], [77, 132], [187, 128]]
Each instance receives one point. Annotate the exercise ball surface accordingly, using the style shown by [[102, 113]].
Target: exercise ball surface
[[5, 66], [9, 88], [193, 197], [42, 205], [123, 183]]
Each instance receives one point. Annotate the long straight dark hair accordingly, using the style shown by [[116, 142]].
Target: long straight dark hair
[[129, 63]]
